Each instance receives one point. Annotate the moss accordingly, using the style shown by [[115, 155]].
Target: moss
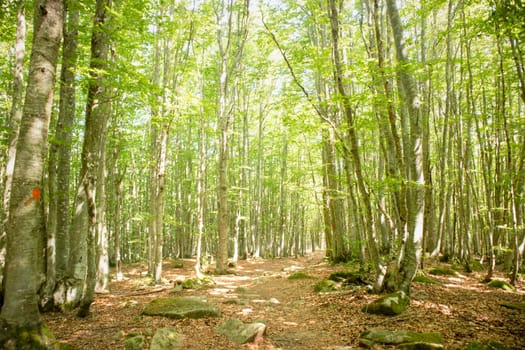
[[475, 265], [424, 279], [136, 342], [179, 308], [325, 286], [442, 271], [514, 306], [28, 338], [501, 285], [348, 278], [196, 283], [299, 275], [177, 263], [402, 339]]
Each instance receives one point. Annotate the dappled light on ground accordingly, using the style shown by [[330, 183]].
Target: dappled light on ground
[[460, 308]]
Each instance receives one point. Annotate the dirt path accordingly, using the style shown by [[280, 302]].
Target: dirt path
[[461, 309]]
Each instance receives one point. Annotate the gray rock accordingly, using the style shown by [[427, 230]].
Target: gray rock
[[390, 304], [402, 339], [136, 342], [166, 339], [239, 332], [181, 307]]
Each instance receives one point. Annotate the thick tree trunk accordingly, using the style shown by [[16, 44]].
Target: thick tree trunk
[[414, 161], [26, 225]]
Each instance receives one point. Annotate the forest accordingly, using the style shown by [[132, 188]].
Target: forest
[[386, 136]]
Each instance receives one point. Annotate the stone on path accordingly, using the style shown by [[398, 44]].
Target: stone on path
[[485, 346], [136, 342], [239, 332], [166, 339], [401, 339], [390, 304], [181, 307], [500, 284]]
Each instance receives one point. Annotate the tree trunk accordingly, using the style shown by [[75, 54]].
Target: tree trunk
[[354, 148], [26, 225], [231, 47], [14, 126], [414, 161], [59, 212], [84, 225]]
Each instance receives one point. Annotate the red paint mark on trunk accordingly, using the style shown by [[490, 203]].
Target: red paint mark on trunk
[[35, 196]]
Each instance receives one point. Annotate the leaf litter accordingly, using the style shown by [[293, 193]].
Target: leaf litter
[[461, 309]]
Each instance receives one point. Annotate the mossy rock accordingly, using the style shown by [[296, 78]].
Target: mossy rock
[[401, 339], [514, 306], [239, 332], [166, 339], [425, 279], [348, 278], [25, 338], [299, 275], [181, 307], [325, 286], [475, 265], [501, 285], [196, 283], [177, 263], [442, 271], [485, 346], [388, 305], [135, 342]]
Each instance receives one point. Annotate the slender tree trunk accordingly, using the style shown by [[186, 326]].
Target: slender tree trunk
[[201, 193], [14, 125], [231, 37], [26, 224], [97, 115], [59, 212], [354, 148], [102, 279], [117, 219]]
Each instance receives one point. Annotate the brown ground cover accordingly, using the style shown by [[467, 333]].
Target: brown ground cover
[[462, 309]]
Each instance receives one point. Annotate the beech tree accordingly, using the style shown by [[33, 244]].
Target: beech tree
[[14, 126], [26, 223]]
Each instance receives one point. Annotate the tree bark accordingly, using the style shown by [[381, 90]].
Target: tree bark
[[26, 225], [59, 212], [414, 161], [231, 44], [14, 125], [373, 250], [82, 260]]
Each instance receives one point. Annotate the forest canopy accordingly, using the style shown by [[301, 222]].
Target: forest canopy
[[385, 132]]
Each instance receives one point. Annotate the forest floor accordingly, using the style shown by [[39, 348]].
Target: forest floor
[[461, 308]]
